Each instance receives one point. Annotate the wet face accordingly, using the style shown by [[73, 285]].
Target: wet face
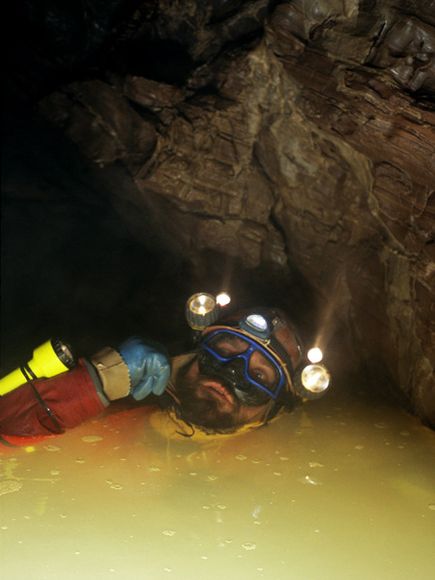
[[208, 402]]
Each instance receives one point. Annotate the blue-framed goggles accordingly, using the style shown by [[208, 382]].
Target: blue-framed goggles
[[255, 374]]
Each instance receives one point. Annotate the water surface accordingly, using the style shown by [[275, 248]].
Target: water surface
[[342, 488]]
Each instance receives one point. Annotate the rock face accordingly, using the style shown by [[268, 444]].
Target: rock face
[[297, 135]]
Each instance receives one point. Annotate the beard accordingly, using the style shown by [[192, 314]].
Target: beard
[[198, 406]]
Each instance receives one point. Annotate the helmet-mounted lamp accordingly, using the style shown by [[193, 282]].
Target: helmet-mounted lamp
[[203, 309], [314, 378]]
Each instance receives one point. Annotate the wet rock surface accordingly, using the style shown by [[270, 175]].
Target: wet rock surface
[[296, 137]]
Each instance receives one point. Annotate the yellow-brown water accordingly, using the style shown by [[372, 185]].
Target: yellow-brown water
[[339, 489]]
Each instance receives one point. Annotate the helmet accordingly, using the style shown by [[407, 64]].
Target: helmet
[[259, 354]]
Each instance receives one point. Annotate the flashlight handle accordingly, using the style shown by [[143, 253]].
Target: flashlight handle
[[11, 382]]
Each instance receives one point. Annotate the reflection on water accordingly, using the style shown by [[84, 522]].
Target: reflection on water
[[339, 489]]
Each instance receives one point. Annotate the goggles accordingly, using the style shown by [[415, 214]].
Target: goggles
[[250, 368]]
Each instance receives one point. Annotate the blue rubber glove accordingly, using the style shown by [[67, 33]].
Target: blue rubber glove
[[148, 367]]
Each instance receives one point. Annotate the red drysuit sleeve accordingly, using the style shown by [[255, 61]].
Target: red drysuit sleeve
[[72, 398]]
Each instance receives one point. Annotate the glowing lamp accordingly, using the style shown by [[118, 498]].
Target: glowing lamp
[[202, 310], [315, 378], [315, 355], [223, 299]]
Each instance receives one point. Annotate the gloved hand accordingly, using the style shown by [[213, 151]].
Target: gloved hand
[[148, 367]]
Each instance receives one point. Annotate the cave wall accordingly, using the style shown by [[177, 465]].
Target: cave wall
[[296, 136]]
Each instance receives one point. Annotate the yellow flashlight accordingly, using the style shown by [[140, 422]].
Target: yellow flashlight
[[51, 358]]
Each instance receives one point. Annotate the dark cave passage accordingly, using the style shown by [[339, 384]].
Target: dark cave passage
[[279, 150], [283, 148]]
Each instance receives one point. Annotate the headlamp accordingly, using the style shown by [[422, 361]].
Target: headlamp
[[315, 378], [315, 355], [257, 325], [203, 309]]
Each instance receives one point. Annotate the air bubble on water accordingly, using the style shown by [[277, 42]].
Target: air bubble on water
[[91, 438], [80, 460], [4, 527], [405, 433], [204, 557], [221, 506], [256, 511], [193, 473], [307, 480], [169, 533], [431, 506], [277, 473], [249, 546], [51, 448], [228, 540], [10, 486], [167, 569], [255, 460], [241, 457], [63, 516], [153, 468], [109, 481], [380, 425], [212, 477], [283, 458], [205, 507], [315, 464], [54, 472], [359, 447], [116, 486]]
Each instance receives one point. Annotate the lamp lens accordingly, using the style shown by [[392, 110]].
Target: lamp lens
[[315, 355], [315, 378], [223, 299], [257, 322], [202, 304]]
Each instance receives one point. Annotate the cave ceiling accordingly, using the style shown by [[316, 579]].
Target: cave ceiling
[[296, 136]]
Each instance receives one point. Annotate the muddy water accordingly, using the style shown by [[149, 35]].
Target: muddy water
[[340, 489]]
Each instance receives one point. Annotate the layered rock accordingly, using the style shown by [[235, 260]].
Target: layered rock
[[309, 147]]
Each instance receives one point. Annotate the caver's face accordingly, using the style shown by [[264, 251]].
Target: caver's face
[[210, 402]]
